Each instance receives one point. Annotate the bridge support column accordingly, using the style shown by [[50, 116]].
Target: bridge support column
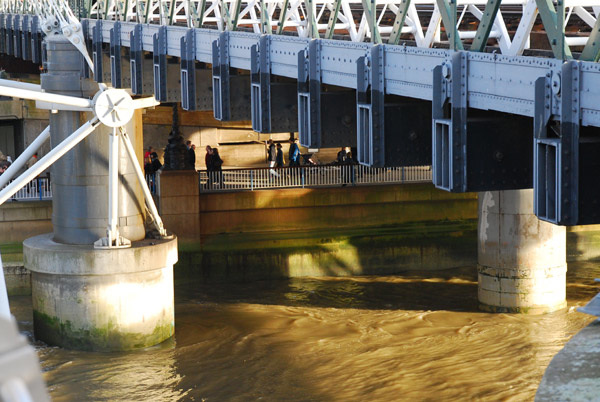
[[84, 297], [274, 104], [391, 130], [521, 259], [326, 115]]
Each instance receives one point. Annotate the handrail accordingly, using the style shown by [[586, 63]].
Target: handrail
[[250, 179], [38, 189]]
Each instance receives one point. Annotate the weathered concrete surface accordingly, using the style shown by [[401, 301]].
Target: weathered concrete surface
[[271, 234], [90, 299], [20, 220], [346, 252], [17, 278], [574, 373], [583, 243], [521, 260], [330, 208]]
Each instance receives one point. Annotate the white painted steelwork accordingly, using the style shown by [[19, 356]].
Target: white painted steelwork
[[25, 156], [421, 19]]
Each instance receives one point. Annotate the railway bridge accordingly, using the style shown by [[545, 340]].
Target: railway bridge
[[500, 97]]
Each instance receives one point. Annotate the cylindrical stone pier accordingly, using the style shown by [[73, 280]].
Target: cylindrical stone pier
[[521, 260], [80, 178], [98, 299], [87, 298]]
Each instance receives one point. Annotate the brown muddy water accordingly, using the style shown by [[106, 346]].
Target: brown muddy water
[[417, 336]]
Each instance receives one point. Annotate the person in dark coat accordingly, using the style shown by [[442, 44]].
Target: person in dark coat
[[294, 153], [272, 157], [279, 162], [156, 165], [217, 164], [192, 156], [209, 165], [342, 160]]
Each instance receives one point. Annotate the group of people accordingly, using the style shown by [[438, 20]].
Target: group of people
[[6, 161], [151, 162], [275, 155], [214, 168]]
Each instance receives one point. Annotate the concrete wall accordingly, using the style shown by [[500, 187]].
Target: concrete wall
[[329, 208], [20, 220], [313, 232], [300, 232], [583, 243]]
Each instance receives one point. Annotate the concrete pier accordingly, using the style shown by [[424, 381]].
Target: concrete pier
[[102, 300], [521, 260], [87, 298]]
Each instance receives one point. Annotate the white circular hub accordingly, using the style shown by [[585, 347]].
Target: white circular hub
[[113, 107]]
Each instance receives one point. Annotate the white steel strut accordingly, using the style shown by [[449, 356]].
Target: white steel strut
[[111, 107]]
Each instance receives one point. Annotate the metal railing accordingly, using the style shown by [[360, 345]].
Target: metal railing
[[39, 189], [310, 176], [151, 181]]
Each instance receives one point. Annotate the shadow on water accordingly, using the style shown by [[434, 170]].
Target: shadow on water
[[449, 290]]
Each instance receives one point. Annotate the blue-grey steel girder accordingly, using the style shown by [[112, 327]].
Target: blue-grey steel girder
[[273, 102], [3, 34], [160, 64], [370, 102], [220, 55], [556, 154], [97, 44], [195, 83], [261, 86], [449, 112], [188, 70], [26, 37], [309, 95], [17, 36], [9, 34], [115, 55], [136, 60], [36, 40]]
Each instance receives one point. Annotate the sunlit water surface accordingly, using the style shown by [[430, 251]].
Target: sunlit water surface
[[417, 336]]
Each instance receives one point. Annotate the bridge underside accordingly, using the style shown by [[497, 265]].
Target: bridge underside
[[484, 121]]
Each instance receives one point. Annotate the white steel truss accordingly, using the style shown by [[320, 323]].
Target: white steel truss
[[392, 21]]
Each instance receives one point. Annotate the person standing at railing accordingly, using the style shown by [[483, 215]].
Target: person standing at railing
[[342, 160], [217, 165], [272, 157], [209, 166], [192, 156], [279, 162], [156, 165], [294, 153], [147, 157]]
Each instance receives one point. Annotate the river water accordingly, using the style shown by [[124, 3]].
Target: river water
[[417, 336]]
